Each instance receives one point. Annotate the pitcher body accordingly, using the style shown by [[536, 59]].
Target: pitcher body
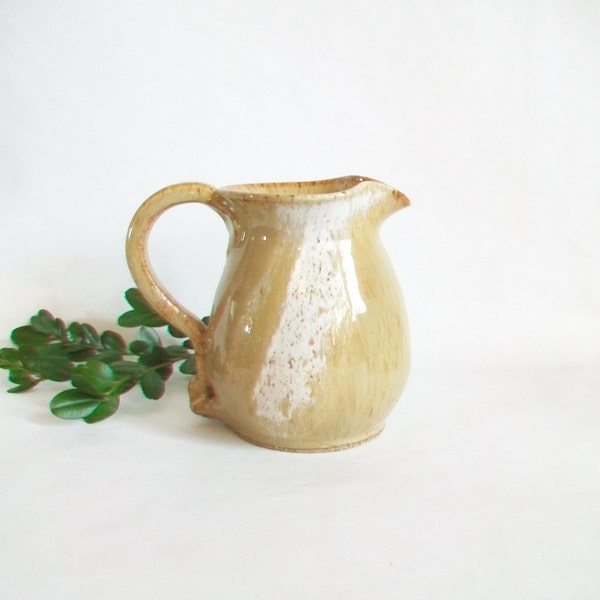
[[307, 345]]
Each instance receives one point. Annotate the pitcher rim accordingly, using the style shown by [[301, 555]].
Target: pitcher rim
[[313, 189]]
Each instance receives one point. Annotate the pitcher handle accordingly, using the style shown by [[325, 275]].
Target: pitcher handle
[[150, 286]]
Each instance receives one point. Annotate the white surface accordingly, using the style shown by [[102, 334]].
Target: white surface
[[486, 482]]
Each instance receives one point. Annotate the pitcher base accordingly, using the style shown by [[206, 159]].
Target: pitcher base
[[309, 449]]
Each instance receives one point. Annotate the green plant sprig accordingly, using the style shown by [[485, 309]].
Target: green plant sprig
[[101, 367]]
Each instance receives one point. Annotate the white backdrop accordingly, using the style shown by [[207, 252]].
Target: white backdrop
[[486, 482]]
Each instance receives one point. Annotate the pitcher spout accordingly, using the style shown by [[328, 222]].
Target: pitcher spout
[[397, 200], [388, 199]]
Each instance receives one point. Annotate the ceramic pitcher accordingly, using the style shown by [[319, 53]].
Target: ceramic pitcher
[[307, 345]]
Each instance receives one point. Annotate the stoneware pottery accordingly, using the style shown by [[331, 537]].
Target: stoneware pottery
[[307, 345]]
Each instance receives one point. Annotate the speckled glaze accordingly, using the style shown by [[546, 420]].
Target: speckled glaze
[[307, 345]]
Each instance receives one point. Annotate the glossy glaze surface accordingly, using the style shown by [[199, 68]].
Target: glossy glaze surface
[[307, 345]]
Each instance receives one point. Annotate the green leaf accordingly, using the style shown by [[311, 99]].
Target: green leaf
[[165, 371], [109, 356], [23, 387], [75, 333], [176, 333], [28, 356], [137, 301], [127, 374], [74, 404], [142, 313], [135, 318], [126, 368], [139, 347], [90, 334], [188, 366], [55, 368], [150, 336], [113, 341], [19, 376], [25, 381], [44, 322], [176, 353], [152, 320], [205, 320], [105, 409], [27, 335], [60, 327], [153, 385], [80, 354], [8, 356], [94, 378], [131, 318], [155, 356]]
